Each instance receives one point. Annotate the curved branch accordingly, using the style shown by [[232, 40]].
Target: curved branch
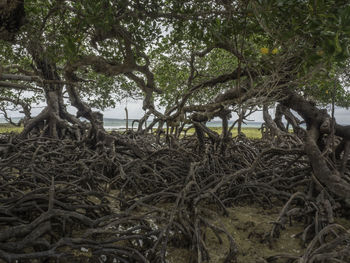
[[10, 85], [312, 115], [228, 95], [331, 179], [315, 120], [25, 106]]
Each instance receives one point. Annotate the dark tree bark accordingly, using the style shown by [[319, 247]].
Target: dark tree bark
[[240, 120], [200, 137], [278, 118], [329, 178], [270, 124], [126, 119], [143, 121], [55, 119], [292, 120], [318, 123], [51, 114]]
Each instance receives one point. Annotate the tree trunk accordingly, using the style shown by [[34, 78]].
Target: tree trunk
[[55, 117], [241, 116], [278, 118], [317, 122], [239, 125], [331, 179], [271, 126], [143, 121], [126, 119], [97, 133], [200, 137]]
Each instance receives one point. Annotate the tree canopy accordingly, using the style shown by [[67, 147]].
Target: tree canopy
[[184, 51], [189, 61]]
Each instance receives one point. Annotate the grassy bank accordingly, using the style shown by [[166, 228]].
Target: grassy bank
[[249, 132], [6, 128], [254, 133]]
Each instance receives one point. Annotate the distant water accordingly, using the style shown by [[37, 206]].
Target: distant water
[[14, 119], [111, 124]]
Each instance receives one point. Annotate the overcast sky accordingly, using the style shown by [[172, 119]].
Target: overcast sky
[[135, 112]]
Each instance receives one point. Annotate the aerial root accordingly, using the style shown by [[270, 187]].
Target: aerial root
[[135, 200]]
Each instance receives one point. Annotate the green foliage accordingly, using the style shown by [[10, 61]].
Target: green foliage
[[173, 71], [316, 32], [102, 92], [304, 44]]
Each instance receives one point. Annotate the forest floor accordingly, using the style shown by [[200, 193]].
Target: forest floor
[[247, 200], [248, 225]]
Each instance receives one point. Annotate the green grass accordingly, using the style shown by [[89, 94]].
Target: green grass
[[249, 132], [253, 133], [6, 128]]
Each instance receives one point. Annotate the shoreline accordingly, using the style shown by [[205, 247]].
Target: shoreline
[[250, 132]]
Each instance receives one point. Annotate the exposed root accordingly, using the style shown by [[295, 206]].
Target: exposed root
[[132, 199]]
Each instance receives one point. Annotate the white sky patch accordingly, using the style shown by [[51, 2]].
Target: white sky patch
[[135, 110]]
